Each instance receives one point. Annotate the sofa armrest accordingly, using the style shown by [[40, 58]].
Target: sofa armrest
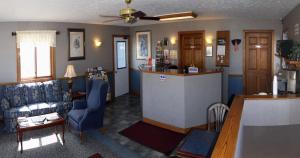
[[79, 104]]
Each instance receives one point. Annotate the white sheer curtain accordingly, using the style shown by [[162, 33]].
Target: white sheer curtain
[[36, 38]]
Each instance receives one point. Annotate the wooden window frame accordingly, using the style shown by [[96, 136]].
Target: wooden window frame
[[36, 79]]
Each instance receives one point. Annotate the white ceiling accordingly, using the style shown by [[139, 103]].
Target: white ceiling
[[87, 11]]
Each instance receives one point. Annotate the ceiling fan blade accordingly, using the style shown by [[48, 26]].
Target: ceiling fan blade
[[138, 14], [109, 16], [108, 21], [150, 18]]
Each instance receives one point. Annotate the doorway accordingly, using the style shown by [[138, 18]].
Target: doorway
[[192, 48], [258, 61], [121, 65]]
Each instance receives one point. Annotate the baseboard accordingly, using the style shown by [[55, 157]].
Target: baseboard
[[171, 127]]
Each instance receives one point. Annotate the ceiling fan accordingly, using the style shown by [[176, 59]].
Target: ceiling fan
[[129, 15]]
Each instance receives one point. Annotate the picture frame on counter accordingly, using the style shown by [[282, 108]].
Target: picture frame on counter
[[143, 45], [76, 44]]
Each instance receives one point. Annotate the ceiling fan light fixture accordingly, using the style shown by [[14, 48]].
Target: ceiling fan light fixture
[[127, 12], [177, 16]]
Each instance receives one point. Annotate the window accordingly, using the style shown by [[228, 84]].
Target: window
[[35, 62], [121, 54], [35, 57]]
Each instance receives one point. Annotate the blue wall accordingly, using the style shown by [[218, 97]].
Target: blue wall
[[235, 86], [135, 81]]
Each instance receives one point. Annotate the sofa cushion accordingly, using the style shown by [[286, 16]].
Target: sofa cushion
[[60, 107], [15, 95], [53, 91], [67, 97], [76, 115], [4, 104], [39, 109], [34, 93], [17, 112]]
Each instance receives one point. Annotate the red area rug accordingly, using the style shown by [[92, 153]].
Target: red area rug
[[97, 155], [162, 140]]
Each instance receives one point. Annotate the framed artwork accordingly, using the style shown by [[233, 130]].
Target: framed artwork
[[76, 44], [143, 45], [209, 51]]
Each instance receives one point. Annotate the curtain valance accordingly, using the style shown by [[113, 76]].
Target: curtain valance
[[37, 37]]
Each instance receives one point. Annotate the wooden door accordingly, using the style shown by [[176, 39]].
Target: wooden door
[[192, 48], [258, 62]]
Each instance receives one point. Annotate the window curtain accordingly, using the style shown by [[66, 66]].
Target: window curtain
[[36, 38]]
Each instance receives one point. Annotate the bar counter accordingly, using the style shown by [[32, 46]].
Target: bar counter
[[177, 72], [178, 101]]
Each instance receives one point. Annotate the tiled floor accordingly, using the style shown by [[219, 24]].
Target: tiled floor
[[120, 114]]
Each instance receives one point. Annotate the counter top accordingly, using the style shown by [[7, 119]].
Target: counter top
[[227, 140], [177, 72]]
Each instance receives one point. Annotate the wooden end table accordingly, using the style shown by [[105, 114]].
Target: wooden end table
[[26, 124]]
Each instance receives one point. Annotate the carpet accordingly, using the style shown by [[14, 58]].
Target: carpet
[[45, 144], [97, 155], [162, 140]]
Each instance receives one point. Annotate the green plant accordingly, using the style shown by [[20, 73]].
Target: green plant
[[295, 53]]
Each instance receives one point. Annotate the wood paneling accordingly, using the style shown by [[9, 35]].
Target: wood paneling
[[192, 50], [258, 61]]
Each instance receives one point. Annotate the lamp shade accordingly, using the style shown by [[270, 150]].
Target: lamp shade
[[70, 71]]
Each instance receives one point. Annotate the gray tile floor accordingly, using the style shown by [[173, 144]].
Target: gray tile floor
[[120, 114]]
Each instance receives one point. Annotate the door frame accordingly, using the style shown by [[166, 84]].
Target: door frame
[[244, 53], [113, 61], [180, 33]]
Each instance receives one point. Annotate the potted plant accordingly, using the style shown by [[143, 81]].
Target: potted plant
[[295, 53]]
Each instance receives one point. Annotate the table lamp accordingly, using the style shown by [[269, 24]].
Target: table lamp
[[70, 73]]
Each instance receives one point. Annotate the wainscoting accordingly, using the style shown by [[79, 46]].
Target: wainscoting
[[135, 81], [235, 86]]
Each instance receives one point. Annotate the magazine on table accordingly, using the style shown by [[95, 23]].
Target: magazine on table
[[51, 117]]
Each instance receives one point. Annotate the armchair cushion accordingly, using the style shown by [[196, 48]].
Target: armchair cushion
[[79, 104], [76, 115]]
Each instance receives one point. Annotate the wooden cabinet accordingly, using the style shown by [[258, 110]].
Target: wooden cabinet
[[192, 49], [223, 48]]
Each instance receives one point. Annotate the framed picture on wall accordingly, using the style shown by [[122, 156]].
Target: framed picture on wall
[[143, 45], [76, 44], [209, 51]]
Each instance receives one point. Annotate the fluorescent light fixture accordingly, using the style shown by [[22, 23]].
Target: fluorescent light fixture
[[177, 16]]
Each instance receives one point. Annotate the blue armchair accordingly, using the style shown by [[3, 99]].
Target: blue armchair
[[88, 114]]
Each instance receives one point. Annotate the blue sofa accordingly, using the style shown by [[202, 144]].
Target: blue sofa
[[32, 99]]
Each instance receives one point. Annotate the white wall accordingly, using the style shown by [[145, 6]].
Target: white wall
[[235, 26], [94, 56]]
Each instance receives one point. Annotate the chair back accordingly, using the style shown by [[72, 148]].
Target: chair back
[[97, 94], [217, 113]]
